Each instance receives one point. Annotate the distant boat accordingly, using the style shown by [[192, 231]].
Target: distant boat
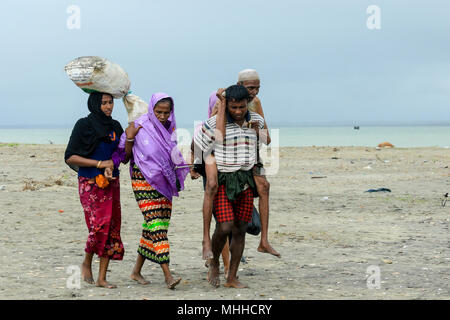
[[356, 127]]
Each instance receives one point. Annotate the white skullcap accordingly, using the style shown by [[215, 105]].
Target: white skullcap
[[248, 74]]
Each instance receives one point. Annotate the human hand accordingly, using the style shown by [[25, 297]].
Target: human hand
[[106, 164], [131, 131], [194, 174], [221, 103], [221, 94], [109, 174], [254, 125]]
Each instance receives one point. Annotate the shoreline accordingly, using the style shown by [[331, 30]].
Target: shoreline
[[15, 144], [400, 137]]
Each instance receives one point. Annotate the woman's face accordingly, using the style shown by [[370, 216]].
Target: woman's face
[[107, 105], [162, 111]]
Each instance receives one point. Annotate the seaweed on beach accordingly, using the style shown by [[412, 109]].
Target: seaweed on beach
[[8, 144]]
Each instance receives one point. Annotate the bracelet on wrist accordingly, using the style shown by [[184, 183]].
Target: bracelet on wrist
[[130, 140], [98, 164]]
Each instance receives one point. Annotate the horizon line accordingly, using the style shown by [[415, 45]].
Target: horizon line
[[271, 124]]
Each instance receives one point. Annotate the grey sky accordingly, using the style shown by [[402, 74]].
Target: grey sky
[[318, 61]]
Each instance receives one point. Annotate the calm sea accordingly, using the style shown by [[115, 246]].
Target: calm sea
[[401, 136]]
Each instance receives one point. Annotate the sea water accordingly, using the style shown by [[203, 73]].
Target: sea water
[[399, 136]]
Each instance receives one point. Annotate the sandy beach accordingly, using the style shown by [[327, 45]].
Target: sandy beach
[[328, 230]]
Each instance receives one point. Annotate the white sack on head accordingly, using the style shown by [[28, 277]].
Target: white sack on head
[[98, 74]]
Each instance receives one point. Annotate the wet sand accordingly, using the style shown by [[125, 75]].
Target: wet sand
[[327, 229]]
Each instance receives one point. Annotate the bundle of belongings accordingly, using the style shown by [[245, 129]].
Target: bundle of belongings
[[96, 74]]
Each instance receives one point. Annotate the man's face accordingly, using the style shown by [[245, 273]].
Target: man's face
[[252, 86], [237, 109]]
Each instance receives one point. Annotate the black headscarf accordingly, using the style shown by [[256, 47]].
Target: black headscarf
[[90, 131]]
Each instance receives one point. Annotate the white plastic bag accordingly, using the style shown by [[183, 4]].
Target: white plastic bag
[[98, 74], [135, 106]]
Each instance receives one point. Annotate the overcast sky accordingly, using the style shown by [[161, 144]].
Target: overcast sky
[[318, 60]]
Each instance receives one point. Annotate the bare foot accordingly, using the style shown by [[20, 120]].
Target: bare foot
[[86, 273], [207, 263], [207, 249], [267, 248], [139, 278], [213, 274], [105, 284], [235, 284], [172, 283]]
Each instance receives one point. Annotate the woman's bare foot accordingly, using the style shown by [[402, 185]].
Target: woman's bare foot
[[172, 283], [86, 273], [267, 248], [207, 250], [234, 283], [139, 278], [105, 284], [213, 274]]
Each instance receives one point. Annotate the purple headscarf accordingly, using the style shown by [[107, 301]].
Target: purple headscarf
[[155, 151], [212, 101]]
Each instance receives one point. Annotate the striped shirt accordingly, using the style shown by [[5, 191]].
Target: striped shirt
[[238, 150]]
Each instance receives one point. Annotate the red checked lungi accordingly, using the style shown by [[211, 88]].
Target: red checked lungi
[[241, 208]]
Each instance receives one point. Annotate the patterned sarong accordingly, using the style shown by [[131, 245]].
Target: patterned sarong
[[103, 218], [156, 209]]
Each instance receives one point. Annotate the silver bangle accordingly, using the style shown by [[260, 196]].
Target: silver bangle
[[130, 140]]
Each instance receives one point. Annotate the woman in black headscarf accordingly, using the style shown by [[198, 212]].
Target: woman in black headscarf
[[92, 153]]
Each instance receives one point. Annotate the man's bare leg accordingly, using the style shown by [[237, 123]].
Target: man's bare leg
[[101, 282], [208, 200], [86, 268], [237, 249], [219, 238], [263, 187], [226, 258], [136, 274]]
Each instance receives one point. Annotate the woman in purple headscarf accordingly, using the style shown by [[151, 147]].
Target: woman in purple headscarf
[[150, 144]]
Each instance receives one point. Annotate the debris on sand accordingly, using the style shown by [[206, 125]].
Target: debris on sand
[[33, 185], [379, 190], [385, 145]]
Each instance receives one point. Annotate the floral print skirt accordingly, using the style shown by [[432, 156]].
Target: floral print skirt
[[102, 213]]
